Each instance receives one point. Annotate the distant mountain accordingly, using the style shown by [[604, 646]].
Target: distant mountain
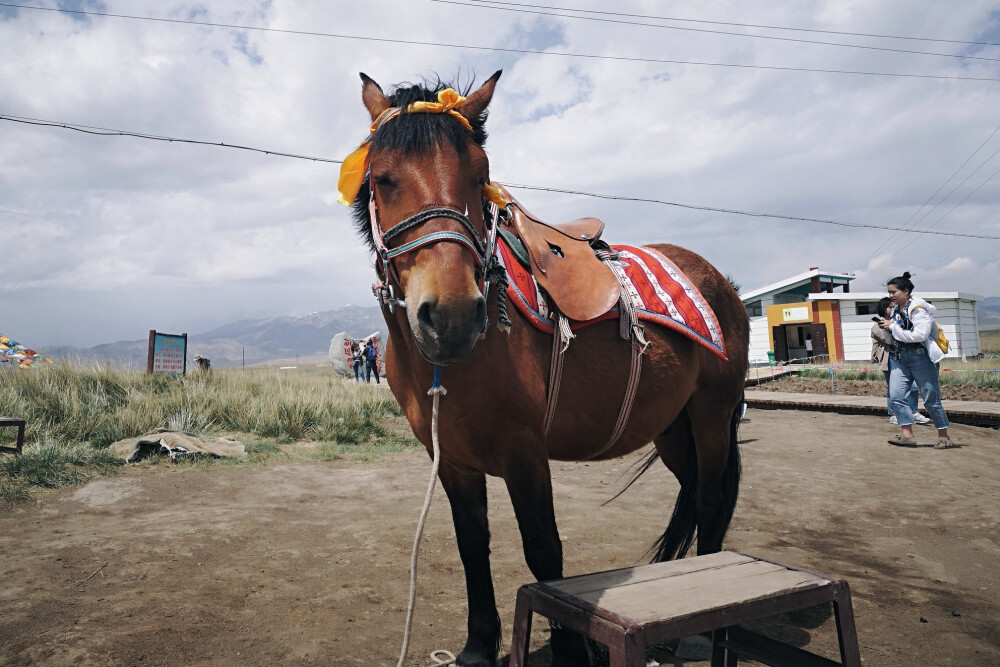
[[261, 341], [988, 312], [306, 338]]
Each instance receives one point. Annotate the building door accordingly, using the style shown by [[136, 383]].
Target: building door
[[780, 343], [820, 345]]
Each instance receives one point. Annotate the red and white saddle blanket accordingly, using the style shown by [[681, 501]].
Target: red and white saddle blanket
[[662, 295]]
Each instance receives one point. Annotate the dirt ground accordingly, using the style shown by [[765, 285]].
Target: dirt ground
[[800, 385], [307, 563]]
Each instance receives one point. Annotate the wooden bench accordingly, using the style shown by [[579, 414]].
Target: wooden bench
[[632, 608], [12, 422]]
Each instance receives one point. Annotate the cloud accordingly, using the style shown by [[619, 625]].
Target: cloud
[[210, 234]]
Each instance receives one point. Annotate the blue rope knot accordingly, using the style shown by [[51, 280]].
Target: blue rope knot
[[436, 387]]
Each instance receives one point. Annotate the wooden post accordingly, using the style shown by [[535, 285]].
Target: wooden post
[[149, 354]]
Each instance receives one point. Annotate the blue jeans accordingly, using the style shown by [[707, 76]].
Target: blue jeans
[[357, 371], [370, 370], [911, 396], [909, 365]]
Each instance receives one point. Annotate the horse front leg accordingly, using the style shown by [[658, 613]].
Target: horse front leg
[[529, 483], [467, 495]]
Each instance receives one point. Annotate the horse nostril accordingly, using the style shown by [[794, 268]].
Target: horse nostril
[[425, 314], [481, 312]]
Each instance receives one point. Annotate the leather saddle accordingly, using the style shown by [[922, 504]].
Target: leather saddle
[[561, 260]]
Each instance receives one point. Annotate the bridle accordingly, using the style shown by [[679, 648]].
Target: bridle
[[483, 248], [355, 170]]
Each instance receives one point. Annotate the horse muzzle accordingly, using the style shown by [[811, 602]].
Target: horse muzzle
[[446, 332]]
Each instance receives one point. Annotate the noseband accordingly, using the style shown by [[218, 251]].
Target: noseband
[[483, 249]]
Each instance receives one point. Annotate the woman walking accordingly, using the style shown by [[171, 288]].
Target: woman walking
[[882, 344], [915, 358]]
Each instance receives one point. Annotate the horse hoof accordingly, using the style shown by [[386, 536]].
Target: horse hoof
[[465, 660], [568, 649], [472, 657], [696, 647]]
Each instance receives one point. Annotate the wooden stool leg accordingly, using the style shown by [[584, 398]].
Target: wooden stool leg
[[627, 651], [721, 656], [522, 630], [847, 634]]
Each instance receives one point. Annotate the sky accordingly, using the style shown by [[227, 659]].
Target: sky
[[107, 237]]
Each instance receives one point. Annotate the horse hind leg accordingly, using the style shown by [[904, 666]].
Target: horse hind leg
[[718, 456], [701, 451]]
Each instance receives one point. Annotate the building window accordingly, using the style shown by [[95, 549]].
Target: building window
[[754, 309], [866, 308]]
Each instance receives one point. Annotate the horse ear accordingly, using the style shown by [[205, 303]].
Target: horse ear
[[477, 102], [371, 94]]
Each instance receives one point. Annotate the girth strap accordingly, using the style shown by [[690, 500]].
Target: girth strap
[[629, 329], [561, 336]]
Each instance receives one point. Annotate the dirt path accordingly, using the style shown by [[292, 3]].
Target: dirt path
[[306, 563]]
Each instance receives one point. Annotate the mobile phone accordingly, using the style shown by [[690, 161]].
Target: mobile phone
[[878, 319]]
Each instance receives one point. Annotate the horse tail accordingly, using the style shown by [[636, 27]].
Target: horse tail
[[679, 535]]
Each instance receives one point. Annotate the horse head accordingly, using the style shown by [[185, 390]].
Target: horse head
[[419, 181]]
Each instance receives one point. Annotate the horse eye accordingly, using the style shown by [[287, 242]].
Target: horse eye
[[384, 181]]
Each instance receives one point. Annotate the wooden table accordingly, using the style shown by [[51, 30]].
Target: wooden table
[[13, 422], [632, 608]]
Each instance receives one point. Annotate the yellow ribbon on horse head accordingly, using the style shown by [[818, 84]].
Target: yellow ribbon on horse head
[[352, 170]]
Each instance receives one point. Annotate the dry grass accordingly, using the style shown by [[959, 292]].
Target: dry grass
[[989, 342], [73, 412]]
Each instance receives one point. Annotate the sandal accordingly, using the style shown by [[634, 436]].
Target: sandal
[[900, 441], [945, 443]]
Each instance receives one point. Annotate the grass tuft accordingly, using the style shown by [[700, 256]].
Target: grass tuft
[[51, 466], [14, 491]]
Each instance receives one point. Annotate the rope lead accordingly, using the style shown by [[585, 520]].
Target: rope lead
[[436, 391]]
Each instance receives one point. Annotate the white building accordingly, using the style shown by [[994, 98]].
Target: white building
[[839, 323]]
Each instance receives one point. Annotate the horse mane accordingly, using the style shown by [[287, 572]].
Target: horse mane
[[414, 133]]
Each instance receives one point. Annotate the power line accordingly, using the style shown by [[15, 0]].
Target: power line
[[521, 9], [89, 129], [103, 131], [743, 25], [856, 225], [934, 224], [497, 49], [893, 237]]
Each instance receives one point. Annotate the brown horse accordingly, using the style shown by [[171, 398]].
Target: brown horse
[[423, 171]]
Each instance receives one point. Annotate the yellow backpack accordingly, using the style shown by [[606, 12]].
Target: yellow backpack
[[941, 340]]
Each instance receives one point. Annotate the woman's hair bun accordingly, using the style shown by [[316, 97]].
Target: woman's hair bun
[[906, 275]]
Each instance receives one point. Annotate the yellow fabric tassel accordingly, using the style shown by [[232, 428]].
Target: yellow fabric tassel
[[352, 171], [494, 194]]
